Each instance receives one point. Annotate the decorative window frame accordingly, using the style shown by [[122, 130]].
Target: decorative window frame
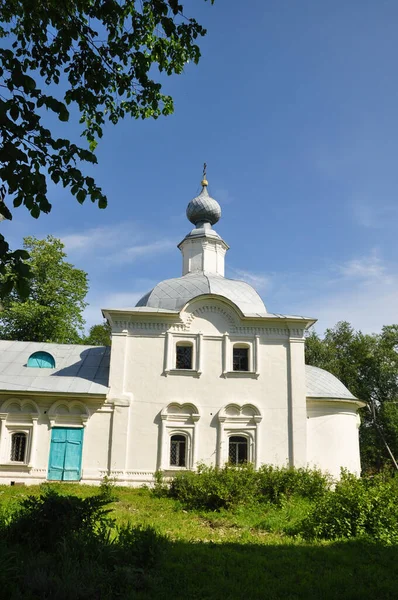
[[68, 419], [252, 343], [178, 419], [243, 420], [170, 350], [22, 421]]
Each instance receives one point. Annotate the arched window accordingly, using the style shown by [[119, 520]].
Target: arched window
[[240, 357], [18, 447], [184, 355], [41, 360], [238, 449], [178, 451]]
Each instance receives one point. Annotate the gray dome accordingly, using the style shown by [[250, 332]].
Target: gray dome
[[322, 384], [175, 293], [203, 209]]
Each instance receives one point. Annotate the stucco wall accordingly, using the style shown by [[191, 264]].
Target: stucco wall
[[332, 433], [275, 386]]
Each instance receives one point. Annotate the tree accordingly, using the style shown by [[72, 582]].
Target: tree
[[53, 310], [101, 57], [99, 335], [368, 366]]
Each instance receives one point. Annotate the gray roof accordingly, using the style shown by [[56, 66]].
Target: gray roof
[[78, 369], [203, 208], [173, 294], [322, 384]]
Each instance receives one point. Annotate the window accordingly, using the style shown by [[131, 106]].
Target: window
[[237, 450], [41, 360], [184, 352], [18, 447], [178, 450], [240, 358]]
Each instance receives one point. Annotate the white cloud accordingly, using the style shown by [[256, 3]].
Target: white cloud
[[126, 299], [364, 292], [120, 243], [90, 240], [369, 216], [260, 281], [366, 268], [130, 254]]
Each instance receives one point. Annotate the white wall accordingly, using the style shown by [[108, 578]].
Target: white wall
[[332, 433], [274, 386]]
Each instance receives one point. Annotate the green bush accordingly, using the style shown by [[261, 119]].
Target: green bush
[[356, 507], [277, 483], [213, 488], [62, 546]]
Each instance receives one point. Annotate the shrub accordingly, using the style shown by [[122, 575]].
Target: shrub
[[62, 546], [215, 488], [277, 483], [357, 507]]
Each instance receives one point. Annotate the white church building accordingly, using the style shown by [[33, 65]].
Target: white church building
[[198, 371]]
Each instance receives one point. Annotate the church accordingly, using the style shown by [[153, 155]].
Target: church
[[198, 372]]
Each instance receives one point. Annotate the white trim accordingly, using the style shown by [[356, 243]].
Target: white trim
[[178, 419], [253, 345], [68, 419], [171, 341], [236, 419]]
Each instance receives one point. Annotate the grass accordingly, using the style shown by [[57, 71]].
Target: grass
[[246, 553]]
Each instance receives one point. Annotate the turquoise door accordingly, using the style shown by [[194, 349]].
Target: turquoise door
[[65, 454]]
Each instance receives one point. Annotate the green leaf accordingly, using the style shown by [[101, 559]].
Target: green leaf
[[21, 254], [14, 112], [63, 114], [35, 211], [81, 196]]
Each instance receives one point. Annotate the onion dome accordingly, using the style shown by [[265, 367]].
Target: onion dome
[[203, 208]]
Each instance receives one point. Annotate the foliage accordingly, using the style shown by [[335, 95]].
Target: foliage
[[224, 554], [96, 59], [213, 488], [278, 483], [357, 507], [63, 546], [99, 335], [53, 310], [368, 366]]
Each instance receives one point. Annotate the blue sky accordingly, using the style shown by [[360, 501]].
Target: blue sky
[[294, 108]]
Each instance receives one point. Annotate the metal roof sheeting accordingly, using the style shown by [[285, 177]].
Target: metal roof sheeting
[[78, 369], [322, 384], [173, 294]]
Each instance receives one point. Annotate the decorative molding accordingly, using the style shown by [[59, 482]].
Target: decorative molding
[[208, 308], [180, 413], [68, 417], [236, 419], [23, 404]]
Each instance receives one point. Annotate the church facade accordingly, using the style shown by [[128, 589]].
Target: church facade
[[198, 371]]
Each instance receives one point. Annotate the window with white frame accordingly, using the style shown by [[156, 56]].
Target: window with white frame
[[18, 447], [182, 353], [177, 437], [241, 355], [178, 451], [18, 425], [238, 434]]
